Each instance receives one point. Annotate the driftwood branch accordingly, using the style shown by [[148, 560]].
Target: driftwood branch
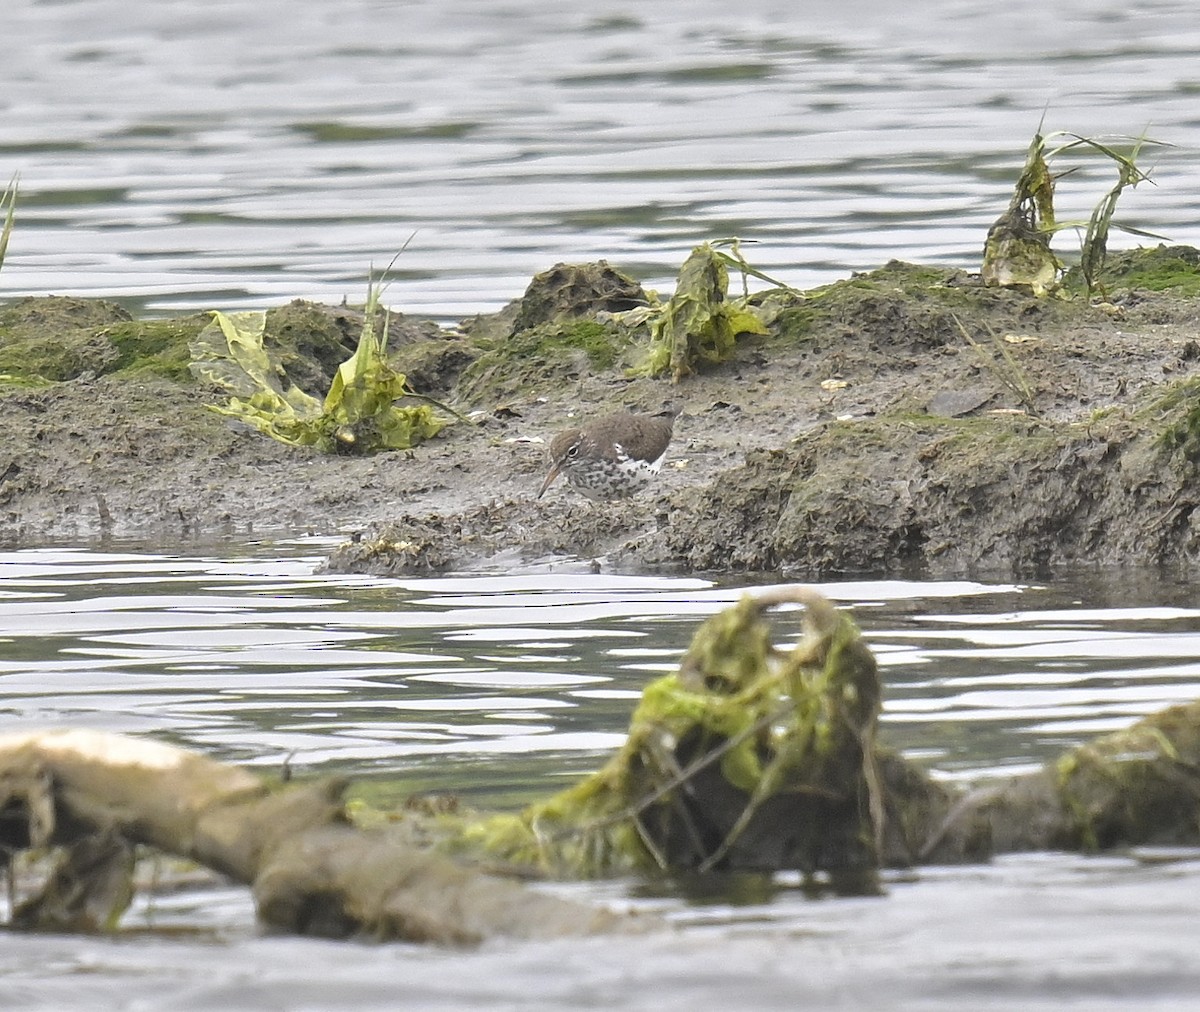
[[748, 757], [99, 795]]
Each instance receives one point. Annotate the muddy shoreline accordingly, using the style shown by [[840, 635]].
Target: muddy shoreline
[[864, 434]]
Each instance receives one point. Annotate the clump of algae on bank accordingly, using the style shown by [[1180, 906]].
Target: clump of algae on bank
[[578, 319], [1017, 250], [358, 414], [699, 324]]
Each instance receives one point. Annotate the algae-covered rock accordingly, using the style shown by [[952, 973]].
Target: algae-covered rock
[[571, 291], [561, 329]]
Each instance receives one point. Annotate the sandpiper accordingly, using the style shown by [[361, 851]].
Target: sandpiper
[[613, 456]]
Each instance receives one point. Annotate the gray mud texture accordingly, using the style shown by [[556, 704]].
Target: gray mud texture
[[904, 421]]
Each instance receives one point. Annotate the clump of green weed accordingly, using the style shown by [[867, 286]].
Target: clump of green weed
[[1017, 251]]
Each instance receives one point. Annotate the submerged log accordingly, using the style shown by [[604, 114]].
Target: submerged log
[[99, 795], [747, 757], [750, 758], [1136, 786]]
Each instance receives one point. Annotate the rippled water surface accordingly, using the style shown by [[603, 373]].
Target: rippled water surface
[[501, 686], [237, 153]]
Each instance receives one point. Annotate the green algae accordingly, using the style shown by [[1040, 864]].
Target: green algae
[[741, 740], [699, 324], [20, 382], [1162, 268], [1134, 786], [1017, 249], [937, 485], [154, 346], [979, 445], [539, 358], [358, 414]]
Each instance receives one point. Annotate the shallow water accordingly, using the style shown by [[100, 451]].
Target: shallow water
[[242, 153], [503, 686]]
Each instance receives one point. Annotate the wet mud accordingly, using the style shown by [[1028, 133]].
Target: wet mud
[[907, 420]]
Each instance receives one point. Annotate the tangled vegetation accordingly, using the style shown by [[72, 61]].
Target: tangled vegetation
[[358, 414], [1017, 251], [742, 740], [699, 323]]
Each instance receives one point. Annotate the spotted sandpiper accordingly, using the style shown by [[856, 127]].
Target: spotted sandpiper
[[613, 456]]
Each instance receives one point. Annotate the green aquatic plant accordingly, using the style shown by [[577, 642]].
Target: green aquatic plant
[[1095, 239], [358, 414], [8, 205], [1017, 250], [699, 323]]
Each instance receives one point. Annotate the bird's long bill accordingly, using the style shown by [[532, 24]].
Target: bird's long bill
[[555, 471]]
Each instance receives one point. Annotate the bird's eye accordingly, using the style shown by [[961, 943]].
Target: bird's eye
[[573, 450]]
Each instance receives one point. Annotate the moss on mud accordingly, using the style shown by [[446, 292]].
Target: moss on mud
[[60, 339], [1176, 416], [154, 346], [1155, 269], [540, 358], [904, 306]]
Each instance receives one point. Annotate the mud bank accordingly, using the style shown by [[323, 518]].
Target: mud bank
[[905, 420]]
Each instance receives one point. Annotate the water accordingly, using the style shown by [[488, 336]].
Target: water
[[504, 686], [242, 153]]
